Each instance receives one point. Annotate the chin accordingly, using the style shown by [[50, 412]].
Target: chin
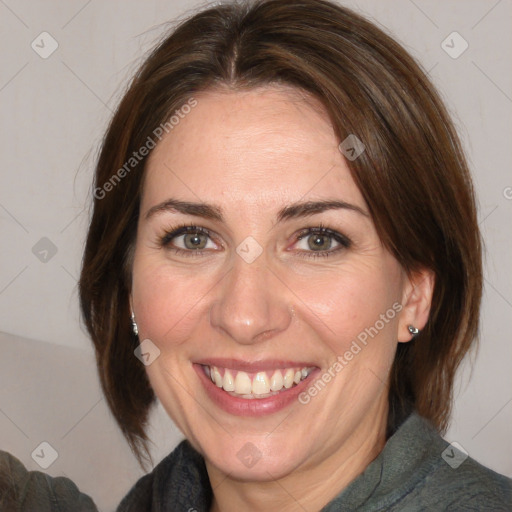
[[254, 461]]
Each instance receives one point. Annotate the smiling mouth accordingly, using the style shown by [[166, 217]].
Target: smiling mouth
[[261, 384]]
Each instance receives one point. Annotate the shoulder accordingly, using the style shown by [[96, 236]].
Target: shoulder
[[449, 479], [179, 479], [21, 489], [418, 470], [468, 486]]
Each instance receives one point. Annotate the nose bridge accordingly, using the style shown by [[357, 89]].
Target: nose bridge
[[251, 304]]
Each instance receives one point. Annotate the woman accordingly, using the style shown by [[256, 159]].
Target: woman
[[284, 232], [284, 251]]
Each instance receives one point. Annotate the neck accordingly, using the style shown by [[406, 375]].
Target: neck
[[310, 487]]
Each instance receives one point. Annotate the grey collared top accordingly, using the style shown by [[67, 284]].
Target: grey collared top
[[416, 471]]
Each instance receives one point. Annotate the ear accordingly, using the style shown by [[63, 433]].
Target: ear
[[416, 302]]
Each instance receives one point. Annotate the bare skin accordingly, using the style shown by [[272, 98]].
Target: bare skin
[[251, 154]]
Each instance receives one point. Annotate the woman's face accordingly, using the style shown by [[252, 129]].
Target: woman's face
[[256, 296]]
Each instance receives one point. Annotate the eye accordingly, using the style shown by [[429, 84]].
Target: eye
[[187, 240], [321, 241]]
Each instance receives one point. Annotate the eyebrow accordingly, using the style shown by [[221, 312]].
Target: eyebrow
[[214, 212]]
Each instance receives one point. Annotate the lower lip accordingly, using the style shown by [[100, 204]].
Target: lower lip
[[255, 406]]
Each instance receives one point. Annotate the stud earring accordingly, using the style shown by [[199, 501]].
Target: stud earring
[[413, 330], [134, 325]]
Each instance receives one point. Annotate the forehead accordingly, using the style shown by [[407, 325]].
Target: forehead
[[260, 147]]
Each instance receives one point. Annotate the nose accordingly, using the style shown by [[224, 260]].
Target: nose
[[253, 304]]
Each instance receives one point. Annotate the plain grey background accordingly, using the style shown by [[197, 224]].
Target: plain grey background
[[54, 110]]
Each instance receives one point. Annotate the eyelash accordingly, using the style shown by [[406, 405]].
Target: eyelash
[[184, 229]]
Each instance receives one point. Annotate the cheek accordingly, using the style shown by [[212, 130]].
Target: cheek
[[168, 301], [352, 301]]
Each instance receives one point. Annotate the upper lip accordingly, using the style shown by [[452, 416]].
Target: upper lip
[[253, 366]]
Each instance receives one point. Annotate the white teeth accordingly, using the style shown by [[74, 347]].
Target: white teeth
[[288, 378], [243, 384], [276, 382], [260, 384], [217, 377], [228, 383]]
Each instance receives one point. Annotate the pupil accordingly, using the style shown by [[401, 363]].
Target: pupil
[[194, 241]]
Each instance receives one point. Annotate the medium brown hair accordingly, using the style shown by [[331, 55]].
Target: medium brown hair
[[412, 174]]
